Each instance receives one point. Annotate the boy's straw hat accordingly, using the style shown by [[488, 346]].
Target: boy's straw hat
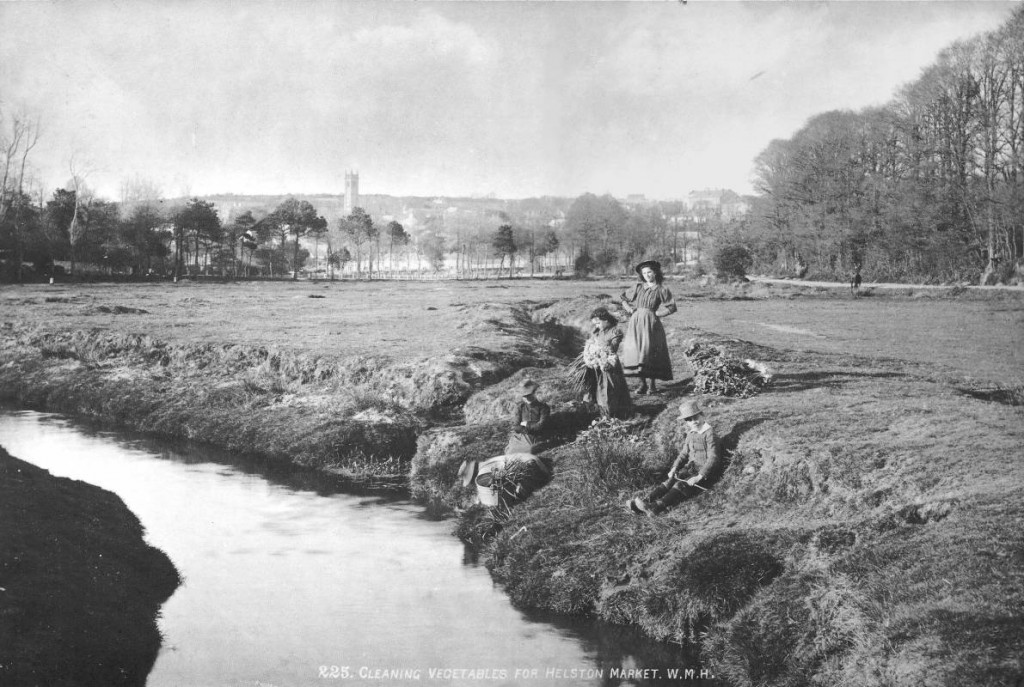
[[689, 409]]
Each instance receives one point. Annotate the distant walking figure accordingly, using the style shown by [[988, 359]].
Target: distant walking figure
[[855, 280], [644, 349]]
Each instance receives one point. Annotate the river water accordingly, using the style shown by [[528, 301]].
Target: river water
[[290, 581]]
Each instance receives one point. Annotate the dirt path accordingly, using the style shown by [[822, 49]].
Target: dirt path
[[881, 285]]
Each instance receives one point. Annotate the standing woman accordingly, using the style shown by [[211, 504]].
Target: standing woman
[[644, 350]]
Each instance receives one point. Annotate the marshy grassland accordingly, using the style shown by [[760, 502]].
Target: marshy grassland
[[867, 529]]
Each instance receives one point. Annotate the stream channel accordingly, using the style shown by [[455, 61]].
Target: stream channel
[[288, 580]]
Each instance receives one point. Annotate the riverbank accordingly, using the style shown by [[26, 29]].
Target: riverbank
[[355, 416], [79, 588], [821, 554]]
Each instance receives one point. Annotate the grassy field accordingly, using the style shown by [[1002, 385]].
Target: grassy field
[[867, 529], [974, 335], [400, 320]]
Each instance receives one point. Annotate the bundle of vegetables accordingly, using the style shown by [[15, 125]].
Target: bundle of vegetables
[[506, 480], [582, 377], [715, 372], [598, 355]]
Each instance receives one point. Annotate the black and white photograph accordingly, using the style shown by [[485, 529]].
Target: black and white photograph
[[543, 343]]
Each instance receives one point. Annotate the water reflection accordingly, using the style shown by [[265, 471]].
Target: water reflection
[[289, 580]]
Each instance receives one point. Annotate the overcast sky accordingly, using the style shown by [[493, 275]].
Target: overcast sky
[[460, 98]]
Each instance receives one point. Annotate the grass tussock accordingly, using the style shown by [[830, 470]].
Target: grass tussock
[[1011, 395], [706, 582], [796, 633], [549, 560], [594, 472], [479, 525]]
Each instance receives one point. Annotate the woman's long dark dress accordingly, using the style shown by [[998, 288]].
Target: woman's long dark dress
[[610, 387], [644, 350]]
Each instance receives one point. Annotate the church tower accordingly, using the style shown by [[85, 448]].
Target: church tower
[[351, 191]]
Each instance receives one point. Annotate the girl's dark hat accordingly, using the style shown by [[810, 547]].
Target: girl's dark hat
[[653, 264]]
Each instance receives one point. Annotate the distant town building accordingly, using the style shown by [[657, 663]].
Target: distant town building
[[636, 201], [719, 203], [351, 191]]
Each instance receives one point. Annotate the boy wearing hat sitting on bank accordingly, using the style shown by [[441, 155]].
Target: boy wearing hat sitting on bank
[[529, 420], [697, 459]]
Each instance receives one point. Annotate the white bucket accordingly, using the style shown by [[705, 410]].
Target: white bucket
[[484, 493]]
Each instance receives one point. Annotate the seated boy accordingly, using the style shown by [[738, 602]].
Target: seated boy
[[697, 459]]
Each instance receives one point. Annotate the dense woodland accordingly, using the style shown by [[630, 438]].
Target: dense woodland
[[928, 188]]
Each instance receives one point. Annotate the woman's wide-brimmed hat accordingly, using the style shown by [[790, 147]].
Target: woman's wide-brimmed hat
[[689, 409], [653, 264]]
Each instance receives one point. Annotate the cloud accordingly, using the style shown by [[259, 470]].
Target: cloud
[[453, 97], [719, 47], [429, 37]]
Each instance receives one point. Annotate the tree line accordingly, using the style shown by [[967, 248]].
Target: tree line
[[925, 188], [76, 232]]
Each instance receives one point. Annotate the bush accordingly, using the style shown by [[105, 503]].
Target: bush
[[603, 262], [584, 264], [733, 261]]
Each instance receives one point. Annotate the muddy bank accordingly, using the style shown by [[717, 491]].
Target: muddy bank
[[79, 588]]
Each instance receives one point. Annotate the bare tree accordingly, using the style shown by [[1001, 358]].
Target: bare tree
[[84, 196], [139, 191], [18, 136]]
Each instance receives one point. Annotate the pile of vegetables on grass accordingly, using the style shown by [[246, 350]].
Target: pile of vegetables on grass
[[606, 429], [716, 372]]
